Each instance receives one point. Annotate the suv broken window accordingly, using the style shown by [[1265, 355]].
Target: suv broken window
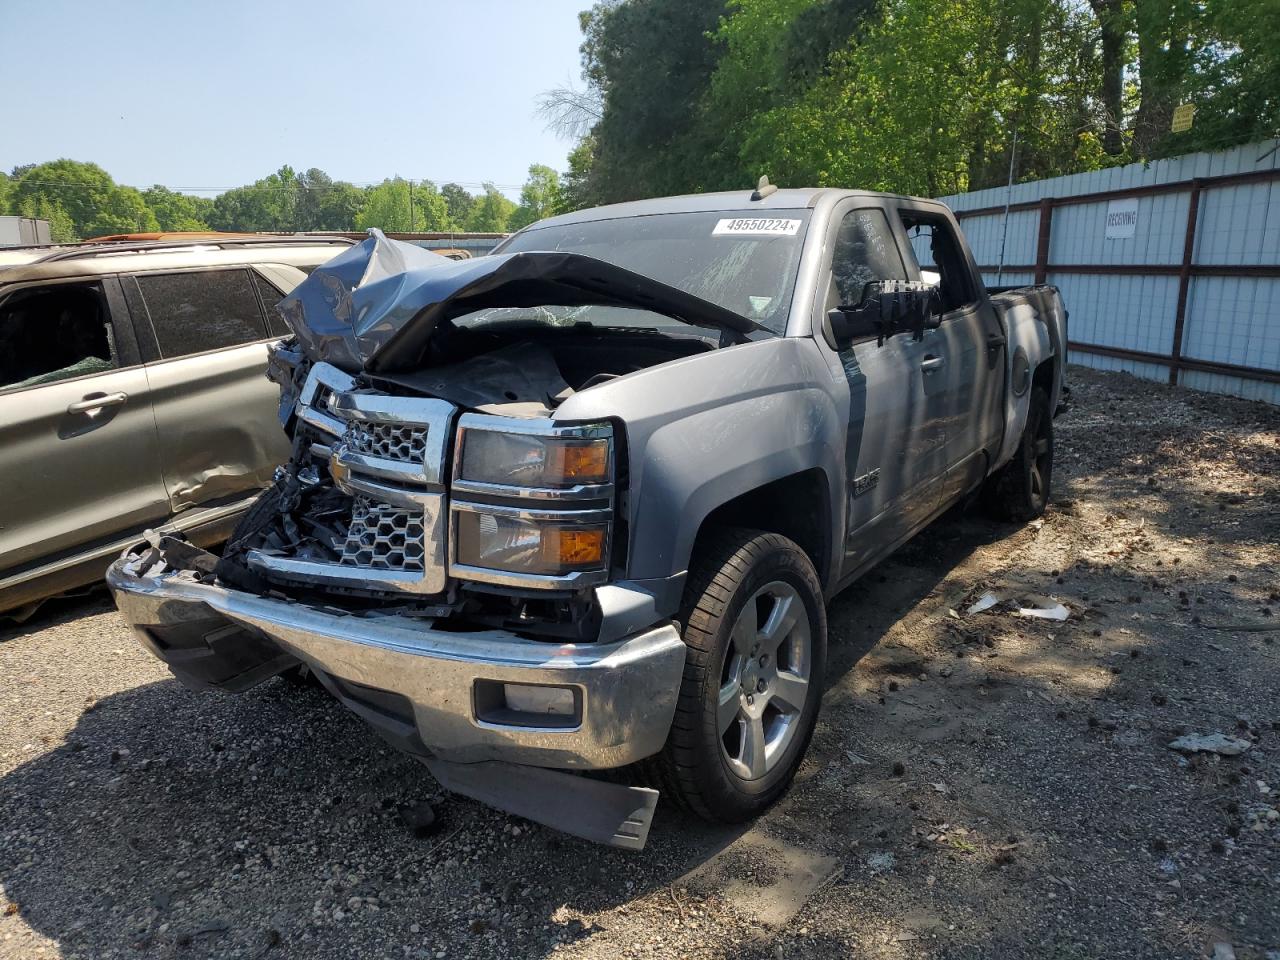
[[53, 333]]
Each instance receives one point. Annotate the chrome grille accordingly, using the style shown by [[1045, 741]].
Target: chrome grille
[[388, 455], [383, 537], [391, 441]]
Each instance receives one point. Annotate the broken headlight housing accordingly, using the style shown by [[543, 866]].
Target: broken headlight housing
[[532, 502]]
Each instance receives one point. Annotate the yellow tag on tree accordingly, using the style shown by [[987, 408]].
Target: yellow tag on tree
[[1183, 114]]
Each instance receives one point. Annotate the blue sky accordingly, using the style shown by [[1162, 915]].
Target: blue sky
[[220, 93]]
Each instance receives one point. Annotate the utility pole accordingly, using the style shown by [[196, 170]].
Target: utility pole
[[411, 223]]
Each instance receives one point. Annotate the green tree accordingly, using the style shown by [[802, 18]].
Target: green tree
[[268, 204], [123, 211], [177, 211], [491, 213], [576, 184], [61, 229], [650, 63], [432, 209], [459, 201], [6, 187], [80, 189], [541, 196], [1234, 80], [324, 203], [387, 206]]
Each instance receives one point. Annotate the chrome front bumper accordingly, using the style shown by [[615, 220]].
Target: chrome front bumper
[[426, 690]]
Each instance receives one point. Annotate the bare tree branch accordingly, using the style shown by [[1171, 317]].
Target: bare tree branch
[[570, 113]]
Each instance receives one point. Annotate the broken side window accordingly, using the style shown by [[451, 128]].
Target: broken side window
[[938, 255], [54, 332], [865, 250]]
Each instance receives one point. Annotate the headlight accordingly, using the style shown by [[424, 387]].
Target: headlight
[[527, 460], [539, 544], [532, 502]]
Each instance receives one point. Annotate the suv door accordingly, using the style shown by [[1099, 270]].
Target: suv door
[[892, 452], [205, 343], [966, 347], [81, 462]]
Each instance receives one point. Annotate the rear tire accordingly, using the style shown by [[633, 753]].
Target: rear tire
[[755, 626], [1019, 491]]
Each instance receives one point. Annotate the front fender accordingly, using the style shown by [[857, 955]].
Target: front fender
[[706, 429]]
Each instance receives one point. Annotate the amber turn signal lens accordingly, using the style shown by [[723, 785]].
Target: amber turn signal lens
[[569, 549], [581, 462]]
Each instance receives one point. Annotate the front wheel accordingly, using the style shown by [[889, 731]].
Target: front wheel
[[756, 630]]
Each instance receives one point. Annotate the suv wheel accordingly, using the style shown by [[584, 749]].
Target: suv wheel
[[756, 630], [1019, 491]]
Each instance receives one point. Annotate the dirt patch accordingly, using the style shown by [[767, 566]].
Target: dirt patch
[[986, 784]]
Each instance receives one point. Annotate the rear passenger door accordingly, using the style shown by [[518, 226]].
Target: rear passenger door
[[967, 377], [207, 337], [80, 463]]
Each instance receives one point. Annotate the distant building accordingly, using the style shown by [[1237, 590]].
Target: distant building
[[23, 231]]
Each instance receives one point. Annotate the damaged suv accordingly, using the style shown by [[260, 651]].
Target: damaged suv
[[578, 505]]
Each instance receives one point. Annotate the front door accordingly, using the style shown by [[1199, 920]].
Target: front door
[[81, 463], [893, 447]]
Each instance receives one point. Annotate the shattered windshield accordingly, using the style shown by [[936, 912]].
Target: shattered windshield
[[746, 264]]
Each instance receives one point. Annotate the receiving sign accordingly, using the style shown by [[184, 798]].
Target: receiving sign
[[1122, 218]]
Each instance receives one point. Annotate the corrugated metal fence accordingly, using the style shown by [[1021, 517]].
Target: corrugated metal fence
[[1169, 270]]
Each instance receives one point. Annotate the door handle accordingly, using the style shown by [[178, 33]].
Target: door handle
[[94, 402], [929, 364]]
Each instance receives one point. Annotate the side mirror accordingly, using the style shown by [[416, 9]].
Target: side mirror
[[887, 307]]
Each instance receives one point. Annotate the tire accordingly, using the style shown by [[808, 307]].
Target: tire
[[1019, 491], [728, 764], [230, 568]]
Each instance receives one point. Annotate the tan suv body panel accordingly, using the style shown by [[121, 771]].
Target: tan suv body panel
[[182, 441]]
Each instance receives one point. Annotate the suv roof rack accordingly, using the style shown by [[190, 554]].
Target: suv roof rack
[[163, 246]]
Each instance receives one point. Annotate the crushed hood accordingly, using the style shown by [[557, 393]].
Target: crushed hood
[[374, 306]]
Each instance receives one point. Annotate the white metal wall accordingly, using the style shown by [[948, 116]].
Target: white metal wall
[[1228, 319]]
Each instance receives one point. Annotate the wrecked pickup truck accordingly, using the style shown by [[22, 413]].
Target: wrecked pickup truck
[[578, 505]]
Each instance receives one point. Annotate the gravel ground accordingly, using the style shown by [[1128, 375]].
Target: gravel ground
[[980, 784]]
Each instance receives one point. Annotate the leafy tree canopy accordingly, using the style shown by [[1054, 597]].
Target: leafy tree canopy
[[919, 96], [541, 196], [82, 200]]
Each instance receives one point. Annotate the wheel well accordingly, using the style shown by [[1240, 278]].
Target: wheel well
[[796, 506], [1043, 377]]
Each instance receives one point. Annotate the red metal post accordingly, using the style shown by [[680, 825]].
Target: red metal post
[[1042, 239], [1184, 277]]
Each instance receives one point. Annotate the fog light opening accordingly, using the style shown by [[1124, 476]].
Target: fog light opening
[[527, 704]]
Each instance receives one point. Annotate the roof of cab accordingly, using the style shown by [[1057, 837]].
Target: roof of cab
[[738, 201]]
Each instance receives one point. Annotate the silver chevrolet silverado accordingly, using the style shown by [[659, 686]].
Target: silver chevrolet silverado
[[578, 505]]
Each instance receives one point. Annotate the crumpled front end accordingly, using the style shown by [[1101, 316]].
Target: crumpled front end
[[441, 552], [468, 703]]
